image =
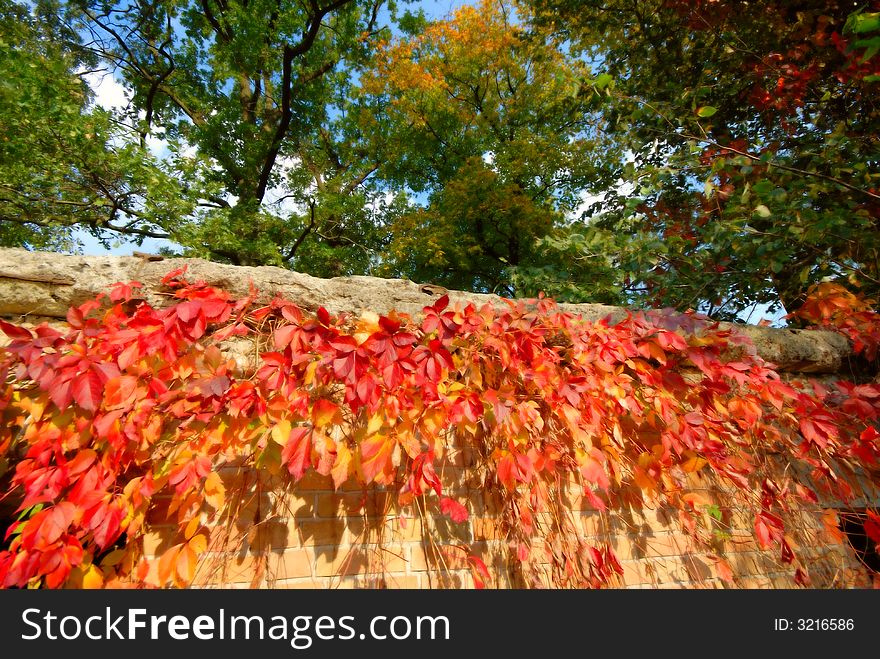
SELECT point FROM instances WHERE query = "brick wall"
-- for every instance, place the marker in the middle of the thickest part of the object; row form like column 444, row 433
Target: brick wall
column 310, row 536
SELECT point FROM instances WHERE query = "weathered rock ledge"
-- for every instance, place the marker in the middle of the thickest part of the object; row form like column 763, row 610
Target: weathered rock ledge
column 42, row 285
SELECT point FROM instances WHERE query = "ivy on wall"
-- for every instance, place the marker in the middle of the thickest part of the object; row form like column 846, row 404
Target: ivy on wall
column 131, row 404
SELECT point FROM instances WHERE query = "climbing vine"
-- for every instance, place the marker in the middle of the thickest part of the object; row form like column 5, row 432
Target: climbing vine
column 132, row 405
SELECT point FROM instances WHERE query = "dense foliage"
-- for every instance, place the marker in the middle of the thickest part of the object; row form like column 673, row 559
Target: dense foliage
column 714, row 155
column 131, row 405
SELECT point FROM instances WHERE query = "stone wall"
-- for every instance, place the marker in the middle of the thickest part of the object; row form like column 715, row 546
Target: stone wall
column 311, row 536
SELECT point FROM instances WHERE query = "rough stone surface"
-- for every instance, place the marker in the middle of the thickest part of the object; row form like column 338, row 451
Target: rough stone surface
column 43, row 285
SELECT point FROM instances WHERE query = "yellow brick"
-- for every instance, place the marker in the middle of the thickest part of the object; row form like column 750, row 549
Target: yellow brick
column 403, row 581
column 328, row 532
column 354, row 504
column 487, row 528
column 312, row 480
column 667, row 544
column 306, row 583
column 298, row 505
column 358, row 560
column 224, row 570
column 292, row 564
column 634, row 573
column 409, row 531
column 272, row 535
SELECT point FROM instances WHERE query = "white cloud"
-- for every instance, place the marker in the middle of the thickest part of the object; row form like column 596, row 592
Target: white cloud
column 276, row 196
column 110, row 94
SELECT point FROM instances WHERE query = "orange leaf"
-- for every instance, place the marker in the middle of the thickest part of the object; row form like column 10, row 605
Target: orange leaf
column 215, row 493
column 695, row 499
column 831, row 522
column 167, row 563
column 325, row 412
column 297, row 452
column 342, row 466
column 187, row 560
column 693, row 463
column 376, row 456
column 725, row 573
column 198, row 543
column 191, row 528
column 92, row 578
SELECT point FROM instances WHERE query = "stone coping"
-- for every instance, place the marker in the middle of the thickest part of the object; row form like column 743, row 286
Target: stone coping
column 43, row 285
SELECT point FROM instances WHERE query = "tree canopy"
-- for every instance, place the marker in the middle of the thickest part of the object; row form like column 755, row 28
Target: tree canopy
column 713, row 154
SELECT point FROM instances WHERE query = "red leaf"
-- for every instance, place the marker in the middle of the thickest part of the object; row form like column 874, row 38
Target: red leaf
column 106, row 527
column 88, row 390
column 81, row 462
column 186, row 311
column 56, row 522
column 724, row 570
column 762, row 532
column 14, row 331
column 375, row 456
column 284, row 335
column 593, row 471
column 454, row 509
column 478, row 570
column 120, row 291
column 297, row 451
column 344, row 344
column 168, row 280
column 60, row 394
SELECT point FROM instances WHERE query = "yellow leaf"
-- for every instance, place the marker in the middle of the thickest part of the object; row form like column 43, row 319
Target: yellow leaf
column 191, row 528
column 198, row 543
column 92, row 578
column 309, row 376
column 186, row 565
column 167, row 562
column 215, row 493
column 368, row 323
column 342, row 466
column 693, row 462
column 113, row 558
column 281, row 432
column 375, row 424
column 432, row 421
column 325, row 412
column 644, row 481
column 410, row 444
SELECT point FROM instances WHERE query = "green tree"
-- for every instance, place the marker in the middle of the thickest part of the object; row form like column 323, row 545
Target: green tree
column 63, row 163
column 257, row 88
column 486, row 123
column 251, row 101
column 746, row 144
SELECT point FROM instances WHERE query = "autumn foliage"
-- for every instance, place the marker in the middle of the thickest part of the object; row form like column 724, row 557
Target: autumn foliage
column 131, row 403
column 832, row 306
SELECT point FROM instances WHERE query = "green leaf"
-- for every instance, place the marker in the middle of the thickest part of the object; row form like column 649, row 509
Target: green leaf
column 706, row 111
column 603, row 81
column 861, row 23
column 762, row 210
